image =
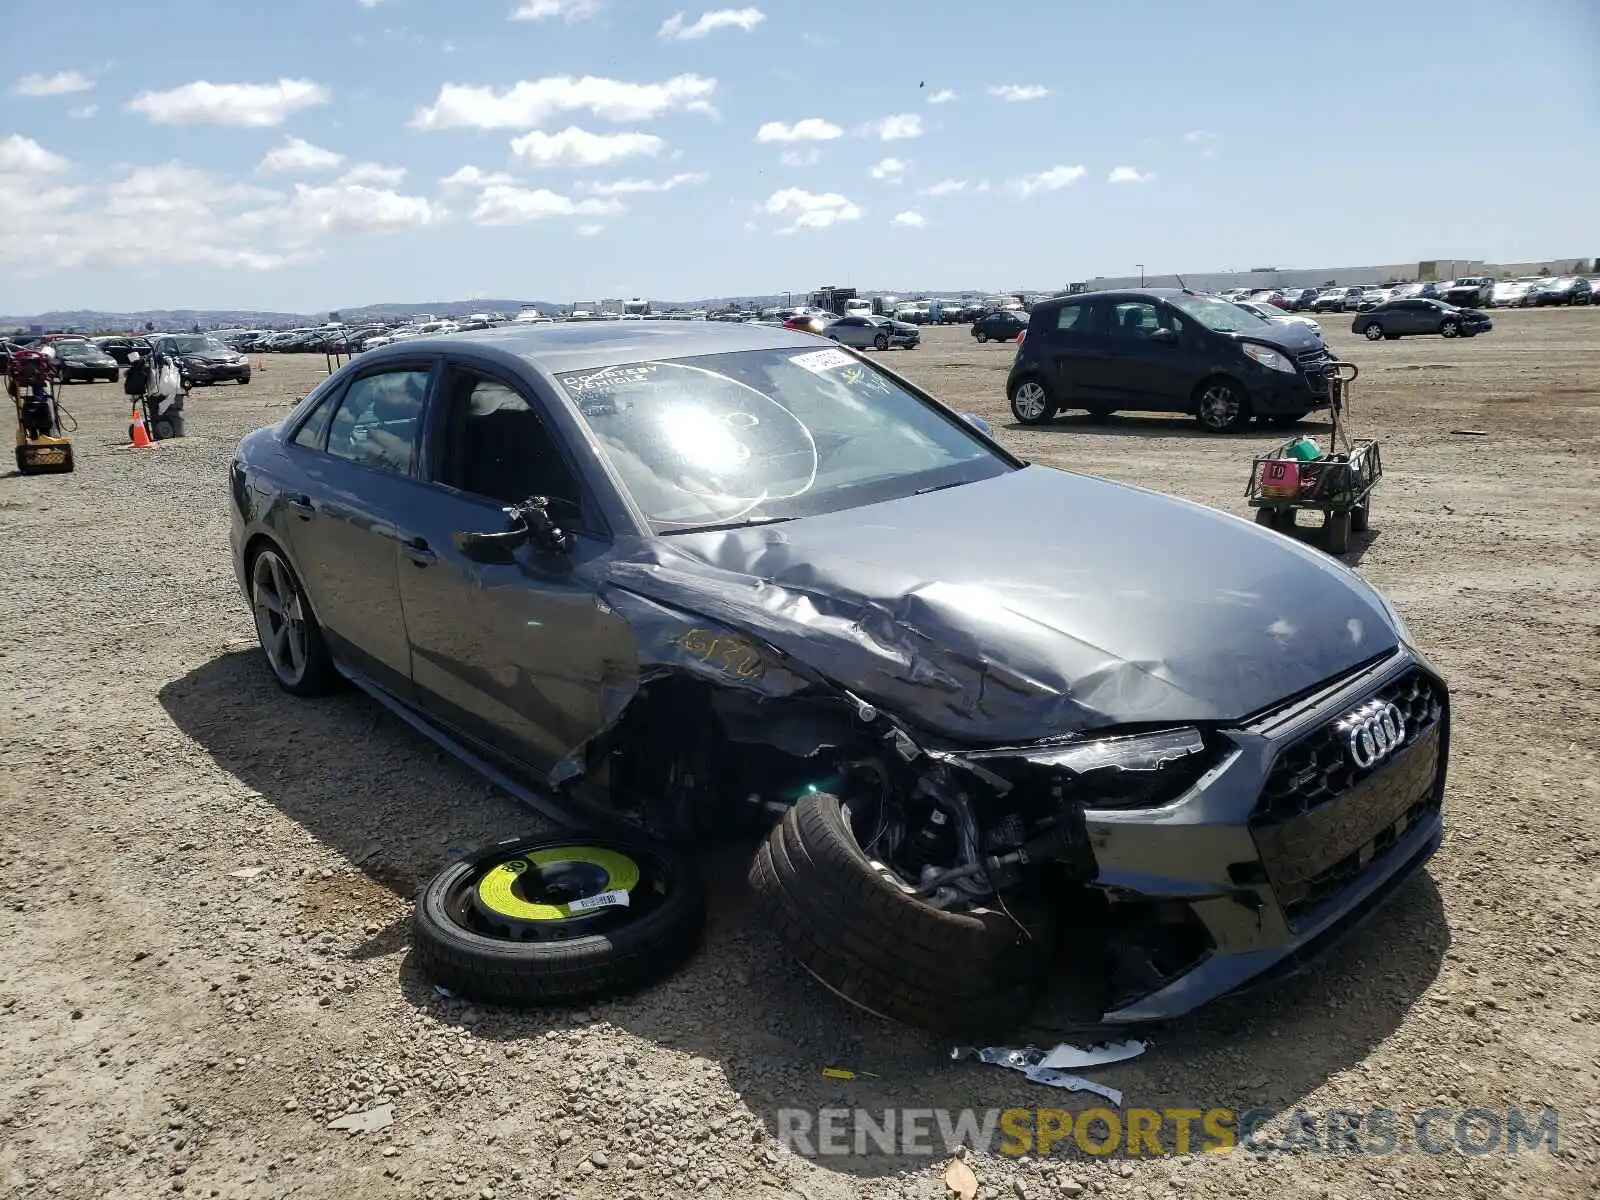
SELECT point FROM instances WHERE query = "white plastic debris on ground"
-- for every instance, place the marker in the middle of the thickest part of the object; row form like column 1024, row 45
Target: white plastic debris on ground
column 1053, row 1067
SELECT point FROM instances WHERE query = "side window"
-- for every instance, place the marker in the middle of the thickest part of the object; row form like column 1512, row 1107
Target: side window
column 1073, row 318
column 376, row 422
column 313, row 430
column 501, row 448
column 1134, row 319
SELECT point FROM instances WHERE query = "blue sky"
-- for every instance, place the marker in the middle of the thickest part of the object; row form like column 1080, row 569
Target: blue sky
column 310, row 154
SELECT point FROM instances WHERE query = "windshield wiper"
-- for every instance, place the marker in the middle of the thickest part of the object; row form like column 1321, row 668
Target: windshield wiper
column 718, row 526
column 939, row 487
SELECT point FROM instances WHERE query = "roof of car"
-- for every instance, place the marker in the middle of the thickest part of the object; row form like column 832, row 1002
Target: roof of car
column 581, row 344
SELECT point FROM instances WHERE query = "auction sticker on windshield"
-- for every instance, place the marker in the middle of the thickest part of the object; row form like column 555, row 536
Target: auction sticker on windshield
column 822, row 360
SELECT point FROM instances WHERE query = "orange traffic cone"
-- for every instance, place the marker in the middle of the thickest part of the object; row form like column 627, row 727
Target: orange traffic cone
column 137, row 433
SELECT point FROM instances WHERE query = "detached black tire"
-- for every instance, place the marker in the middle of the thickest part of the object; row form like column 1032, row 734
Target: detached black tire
column 959, row 974
column 527, row 935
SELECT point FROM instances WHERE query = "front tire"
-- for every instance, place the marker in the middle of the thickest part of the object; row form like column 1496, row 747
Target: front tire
column 1449, row 329
column 559, row 919
column 881, row 342
column 287, row 628
column 982, row 338
column 1222, row 407
column 866, row 939
column 1373, row 332
column 1031, row 403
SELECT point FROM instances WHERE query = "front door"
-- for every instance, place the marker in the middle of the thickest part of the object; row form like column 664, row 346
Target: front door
column 357, row 474
column 1148, row 355
column 518, row 656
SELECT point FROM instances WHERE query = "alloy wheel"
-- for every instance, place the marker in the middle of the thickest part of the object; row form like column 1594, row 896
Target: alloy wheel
column 1030, row 401
column 280, row 616
column 1219, row 407
column 1374, row 332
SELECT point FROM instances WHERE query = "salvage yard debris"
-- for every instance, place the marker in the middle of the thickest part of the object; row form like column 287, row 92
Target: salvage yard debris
column 1052, row 1067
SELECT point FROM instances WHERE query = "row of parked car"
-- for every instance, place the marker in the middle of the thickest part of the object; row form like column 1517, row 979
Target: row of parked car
column 1471, row 291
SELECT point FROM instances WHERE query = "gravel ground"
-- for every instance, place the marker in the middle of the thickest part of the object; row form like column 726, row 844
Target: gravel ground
column 204, row 884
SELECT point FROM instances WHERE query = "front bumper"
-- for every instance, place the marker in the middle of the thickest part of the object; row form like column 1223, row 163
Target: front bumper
column 1277, row 851
column 216, row 372
column 1278, row 392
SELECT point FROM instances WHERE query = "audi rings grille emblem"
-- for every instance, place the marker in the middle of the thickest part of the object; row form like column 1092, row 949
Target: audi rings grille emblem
column 1372, row 733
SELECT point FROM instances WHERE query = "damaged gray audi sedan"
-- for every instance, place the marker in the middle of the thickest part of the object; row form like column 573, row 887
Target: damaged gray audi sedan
column 998, row 717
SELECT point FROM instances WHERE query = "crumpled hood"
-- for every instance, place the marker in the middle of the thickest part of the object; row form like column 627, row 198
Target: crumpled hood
column 1030, row 605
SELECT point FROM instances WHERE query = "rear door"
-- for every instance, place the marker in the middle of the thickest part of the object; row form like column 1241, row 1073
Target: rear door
column 1076, row 353
column 518, row 656
column 355, row 461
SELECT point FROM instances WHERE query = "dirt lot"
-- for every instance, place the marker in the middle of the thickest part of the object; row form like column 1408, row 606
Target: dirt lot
column 204, row 884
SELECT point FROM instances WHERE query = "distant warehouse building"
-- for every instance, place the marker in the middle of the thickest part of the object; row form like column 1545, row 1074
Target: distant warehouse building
column 1426, row 270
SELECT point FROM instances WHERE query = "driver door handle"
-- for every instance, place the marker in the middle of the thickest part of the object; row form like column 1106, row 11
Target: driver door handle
column 300, row 506
column 416, row 549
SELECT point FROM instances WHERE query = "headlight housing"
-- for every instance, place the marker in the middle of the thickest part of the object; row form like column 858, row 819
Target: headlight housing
column 1267, row 357
column 1142, row 770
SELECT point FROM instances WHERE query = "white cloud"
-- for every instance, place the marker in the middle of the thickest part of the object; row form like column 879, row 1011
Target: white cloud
column 1129, row 175
column 1052, row 180
column 626, row 187
column 812, row 129
column 808, row 157
column 296, row 157
column 354, row 207
column 723, row 18
column 171, row 214
column 983, row 186
column 472, row 177
column 942, row 96
column 23, row 156
column 574, row 147
column 83, row 112
column 373, row 174
column 1013, row 93
column 528, row 104
column 62, row 83
column 245, row 105
column 369, row 3
column 567, row 10
column 946, row 187
column 1198, row 137
column 589, row 229
column 810, row 210
column 895, row 128
column 502, row 204
column 890, row 170
column 910, row 219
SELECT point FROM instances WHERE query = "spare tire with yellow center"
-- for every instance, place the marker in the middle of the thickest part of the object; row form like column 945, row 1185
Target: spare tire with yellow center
column 558, row 920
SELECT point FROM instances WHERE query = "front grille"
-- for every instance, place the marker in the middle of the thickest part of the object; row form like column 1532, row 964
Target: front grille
column 1317, row 768
column 1329, row 882
column 1321, row 821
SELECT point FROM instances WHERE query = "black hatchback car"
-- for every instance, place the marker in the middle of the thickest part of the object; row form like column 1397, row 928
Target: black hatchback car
column 1399, row 318
column 688, row 571
column 1166, row 350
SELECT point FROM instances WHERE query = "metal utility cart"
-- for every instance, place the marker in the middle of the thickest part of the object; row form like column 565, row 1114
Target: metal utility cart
column 1339, row 483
